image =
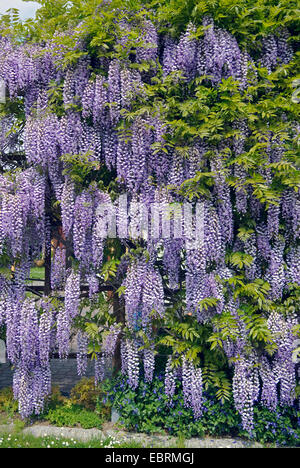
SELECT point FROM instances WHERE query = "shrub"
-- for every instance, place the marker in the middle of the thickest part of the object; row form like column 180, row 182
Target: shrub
column 85, row 394
column 54, row 399
column 74, row 415
column 281, row 427
column 90, row 397
column 147, row 409
column 7, row 401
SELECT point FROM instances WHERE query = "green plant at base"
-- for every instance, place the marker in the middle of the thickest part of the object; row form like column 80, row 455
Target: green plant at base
column 85, row 394
column 148, row 410
column 74, row 415
column 28, row 441
column 7, row 402
column 55, row 399
column 90, row 397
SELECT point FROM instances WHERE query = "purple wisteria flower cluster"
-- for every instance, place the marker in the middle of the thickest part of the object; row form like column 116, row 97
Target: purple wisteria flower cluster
column 29, row 344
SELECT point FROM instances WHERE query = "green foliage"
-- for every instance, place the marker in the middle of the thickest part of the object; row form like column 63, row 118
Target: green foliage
column 16, row 440
column 54, row 399
column 83, row 408
column 79, row 166
column 7, row 402
column 89, row 174
column 248, row 20
column 37, row 273
column 240, row 260
column 199, row 185
column 96, row 318
column 182, row 335
column 148, row 410
column 72, row 416
column 85, row 394
column 110, row 268
column 280, row 427
column 19, row 425
column 216, row 380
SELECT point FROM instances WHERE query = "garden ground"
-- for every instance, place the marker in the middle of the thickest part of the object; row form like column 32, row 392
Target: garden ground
column 41, row 436
column 83, row 420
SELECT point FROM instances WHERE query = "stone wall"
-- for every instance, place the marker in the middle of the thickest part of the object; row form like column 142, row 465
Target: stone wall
column 64, row 374
column 5, row 376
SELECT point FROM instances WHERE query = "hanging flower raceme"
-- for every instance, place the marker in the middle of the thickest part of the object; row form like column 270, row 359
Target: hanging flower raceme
column 25, row 66
column 284, row 367
column 269, row 384
column 29, row 344
column 133, row 365
column 144, row 294
column 72, row 293
column 186, row 53
column 110, row 340
column 133, row 296
column 67, row 206
column 131, row 87
column 275, row 274
column 246, row 389
column 86, row 220
column 82, row 361
column 114, row 91
column 31, row 389
column 58, row 268
column 276, row 50
column 103, row 217
column 75, row 83
column 152, row 295
column 219, row 55
column 172, row 260
column 192, row 387
column 2, row 310
column 22, row 205
column 41, row 139
column 148, row 51
column 293, row 262
column 100, row 367
column 83, row 218
column 68, row 312
column 12, row 322
column 63, row 333
column 149, row 364
column 46, row 332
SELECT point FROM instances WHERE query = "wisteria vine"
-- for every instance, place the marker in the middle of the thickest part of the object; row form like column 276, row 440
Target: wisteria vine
column 91, row 124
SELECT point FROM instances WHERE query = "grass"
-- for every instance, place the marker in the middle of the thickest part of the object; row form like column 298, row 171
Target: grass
column 37, row 273
column 5, row 418
column 16, row 440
